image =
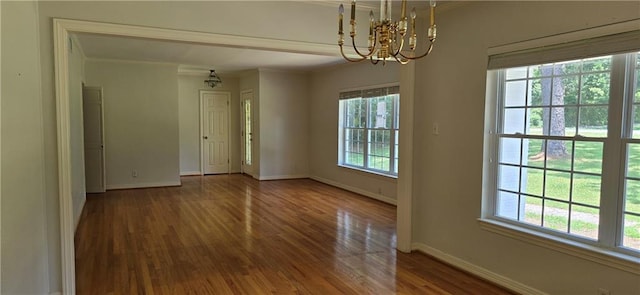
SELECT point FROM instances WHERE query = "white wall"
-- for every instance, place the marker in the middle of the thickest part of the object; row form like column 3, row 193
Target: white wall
column 23, row 237
column 450, row 90
column 283, row 121
column 189, row 87
column 140, row 122
column 76, row 78
column 323, row 126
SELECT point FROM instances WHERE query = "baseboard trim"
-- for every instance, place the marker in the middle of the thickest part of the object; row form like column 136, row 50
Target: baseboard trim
column 281, row 177
column 477, row 270
column 190, row 173
column 77, row 221
column 143, row 185
column 356, row 190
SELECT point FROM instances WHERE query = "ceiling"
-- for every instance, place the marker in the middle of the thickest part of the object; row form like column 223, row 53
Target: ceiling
column 201, row 57
column 222, row 59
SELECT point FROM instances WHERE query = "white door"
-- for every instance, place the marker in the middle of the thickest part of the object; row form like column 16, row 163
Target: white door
column 247, row 131
column 215, row 131
column 93, row 116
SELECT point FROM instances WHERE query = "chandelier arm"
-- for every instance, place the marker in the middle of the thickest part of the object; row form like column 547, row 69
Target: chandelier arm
column 373, row 50
column 421, row 56
column 350, row 59
column 374, row 61
column 401, row 60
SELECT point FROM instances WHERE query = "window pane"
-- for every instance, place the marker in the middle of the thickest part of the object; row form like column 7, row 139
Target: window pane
column 586, row 189
column 559, row 125
column 570, row 89
column 379, row 147
column 515, row 93
column 632, row 214
column 510, row 150
column 570, row 119
column 532, row 181
column 536, row 71
column 536, row 92
column 588, row 157
column 593, row 121
column 595, row 88
column 595, row 64
column 534, row 124
column 397, row 111
column 513, row 121
column 637, row 92
column 556, row 215
column 507, row 205
column 380, row 109
column 632, row 196
column 631, row 237
column 571, row 67
column 509, row 178
column 558, row 153
column 584, row 221
column 636, row 119
column 533, row 211
column 633, row 160
column 355, row 116
column 534, row 156
column 516, row 73
column 557, row 185
column 397, row 151
column 354, row 147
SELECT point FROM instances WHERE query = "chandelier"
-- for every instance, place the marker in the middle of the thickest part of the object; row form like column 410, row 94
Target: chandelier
column 213, row 80
column 386, row 37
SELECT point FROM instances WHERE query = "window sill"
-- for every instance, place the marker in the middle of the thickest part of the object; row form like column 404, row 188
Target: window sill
column 368, row 171
column 610, row 258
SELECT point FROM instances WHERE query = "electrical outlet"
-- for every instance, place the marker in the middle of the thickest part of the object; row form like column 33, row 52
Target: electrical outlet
column 602, row 291
column 134, row 173
column 435, row 130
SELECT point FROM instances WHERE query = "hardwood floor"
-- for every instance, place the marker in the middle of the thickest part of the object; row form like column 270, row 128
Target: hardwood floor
column 231, row 234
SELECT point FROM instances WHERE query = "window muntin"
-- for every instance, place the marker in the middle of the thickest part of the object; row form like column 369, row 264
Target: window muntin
column 553, row 125
column 369, row 130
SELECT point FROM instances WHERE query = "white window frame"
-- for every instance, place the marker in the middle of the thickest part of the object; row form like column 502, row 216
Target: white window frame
column 606, row 250
column 361, row 93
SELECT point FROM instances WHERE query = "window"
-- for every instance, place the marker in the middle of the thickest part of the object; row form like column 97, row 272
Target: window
column 368, row 130
column 567, row 146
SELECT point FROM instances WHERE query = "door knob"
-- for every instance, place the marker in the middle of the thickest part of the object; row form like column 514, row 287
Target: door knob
column 205, row 137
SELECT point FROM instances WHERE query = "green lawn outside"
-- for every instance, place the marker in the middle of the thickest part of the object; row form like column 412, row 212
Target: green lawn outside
column 586, row 188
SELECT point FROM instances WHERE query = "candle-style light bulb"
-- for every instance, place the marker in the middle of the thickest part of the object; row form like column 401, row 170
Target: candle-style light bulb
column 371, row 23
column 353, row 10
column 403, row 11
column 340, row 16
column 431, row 32
column 432, row 7
column 385, row 10
column 371, row 27
column 412, row 38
